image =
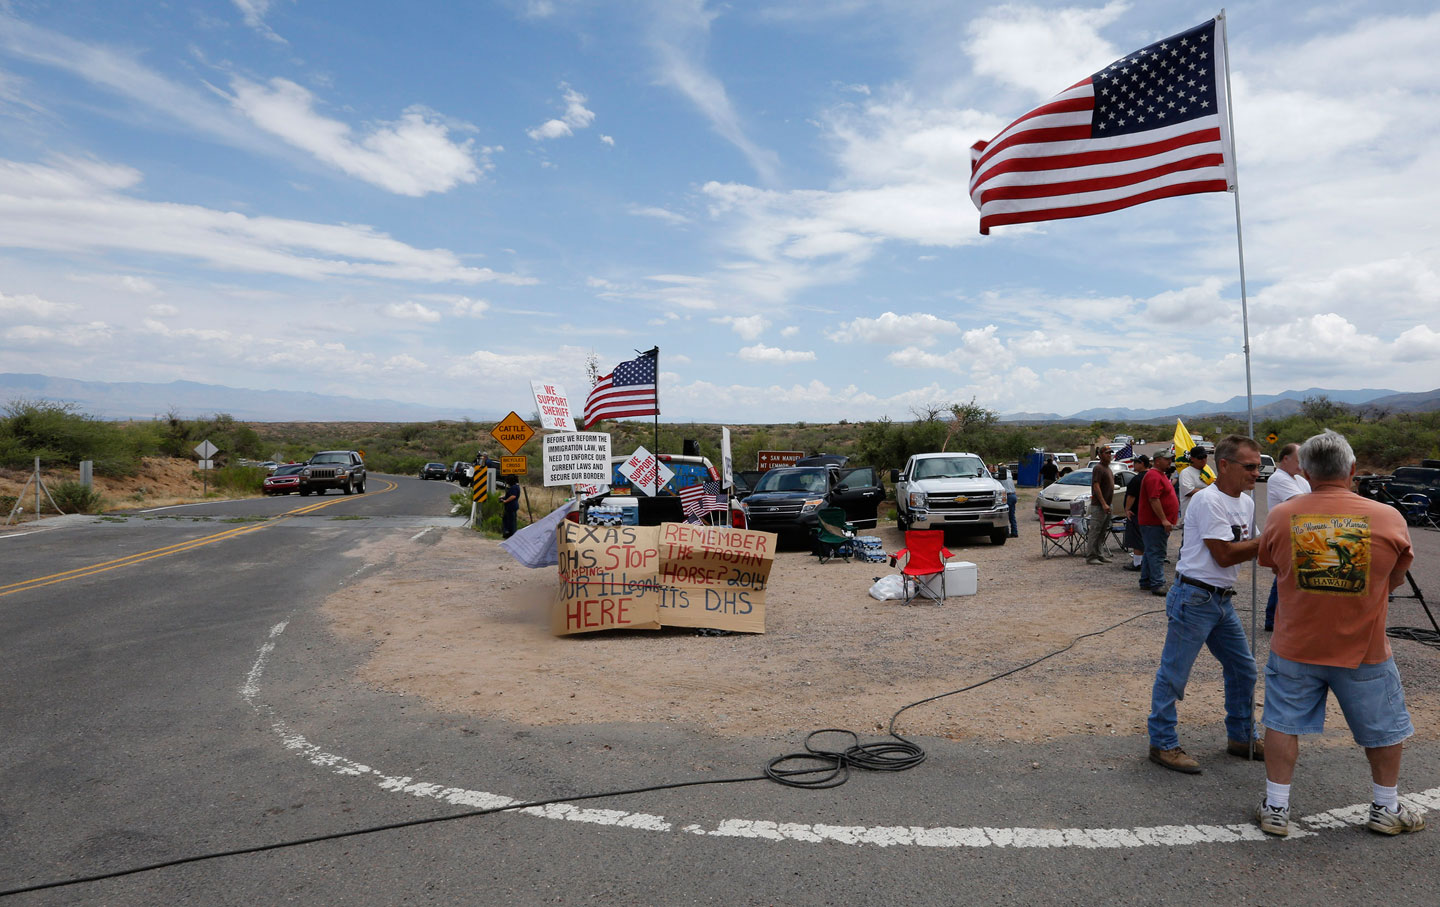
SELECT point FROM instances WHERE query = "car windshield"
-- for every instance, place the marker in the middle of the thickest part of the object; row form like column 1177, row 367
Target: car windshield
column 287, row 470
column 809, row 480
column 434, row 465
column 337, row 458
column 1078, row 477
column 949, row 468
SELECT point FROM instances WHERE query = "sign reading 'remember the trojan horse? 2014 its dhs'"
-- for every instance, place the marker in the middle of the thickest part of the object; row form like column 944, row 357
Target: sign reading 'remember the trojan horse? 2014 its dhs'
column 671, row 575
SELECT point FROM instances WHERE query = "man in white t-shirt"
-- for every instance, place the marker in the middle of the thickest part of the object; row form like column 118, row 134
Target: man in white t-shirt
column 1219, row 536
column 1286, row 483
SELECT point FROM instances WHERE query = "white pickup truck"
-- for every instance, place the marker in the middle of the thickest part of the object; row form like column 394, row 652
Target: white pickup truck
column 950, row 491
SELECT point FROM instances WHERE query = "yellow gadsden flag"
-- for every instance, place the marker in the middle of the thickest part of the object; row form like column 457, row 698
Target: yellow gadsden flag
column 1183, row 443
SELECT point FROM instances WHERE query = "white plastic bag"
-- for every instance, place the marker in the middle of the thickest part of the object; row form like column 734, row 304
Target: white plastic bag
column 888, row 588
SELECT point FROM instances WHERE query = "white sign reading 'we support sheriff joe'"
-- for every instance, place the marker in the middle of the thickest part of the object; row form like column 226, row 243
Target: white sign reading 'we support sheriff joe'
column 553, row 406
column 645, row 471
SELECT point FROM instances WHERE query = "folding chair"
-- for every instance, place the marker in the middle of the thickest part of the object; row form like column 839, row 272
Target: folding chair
column 1063, row 536
column 1416, row 509
column 833, row 535
column 925, row 555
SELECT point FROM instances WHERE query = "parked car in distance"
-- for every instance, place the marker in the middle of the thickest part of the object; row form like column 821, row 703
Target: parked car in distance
column 1054, row 500
column 460, row 471
column 1406, row 480
column 284, row 480
column 342, row 469
column 433, row 471
column 1267, row 467
column 788, row 500
column 951, row 491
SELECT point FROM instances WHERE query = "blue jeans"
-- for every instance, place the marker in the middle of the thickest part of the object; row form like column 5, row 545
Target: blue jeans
column 1152, row 562
column 1195, row 617
column 1010, row 497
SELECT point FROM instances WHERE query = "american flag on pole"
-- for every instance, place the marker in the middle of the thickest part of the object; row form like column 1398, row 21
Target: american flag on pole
column 1126, row 453
column 627, row 391
column 1151, row 125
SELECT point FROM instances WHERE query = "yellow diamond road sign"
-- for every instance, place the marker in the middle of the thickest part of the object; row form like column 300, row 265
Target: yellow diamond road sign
column 1272, row 437
column 512, row 432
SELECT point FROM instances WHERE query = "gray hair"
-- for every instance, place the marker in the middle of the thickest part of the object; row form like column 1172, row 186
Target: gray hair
column 1327, row 456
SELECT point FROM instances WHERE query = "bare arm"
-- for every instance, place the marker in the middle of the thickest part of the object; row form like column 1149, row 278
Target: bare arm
column 1228, row 554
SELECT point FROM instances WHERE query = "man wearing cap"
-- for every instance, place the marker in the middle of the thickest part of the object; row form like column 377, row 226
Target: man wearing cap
column 1199, row 612
column 1192, row 479
column 1159, row 511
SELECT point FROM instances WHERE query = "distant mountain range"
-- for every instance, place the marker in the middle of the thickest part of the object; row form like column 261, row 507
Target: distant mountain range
column 138, row 400
column 1279, row 405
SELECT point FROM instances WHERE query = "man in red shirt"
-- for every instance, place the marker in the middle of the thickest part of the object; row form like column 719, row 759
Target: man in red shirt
column 1336, row 556
column 1159, row 511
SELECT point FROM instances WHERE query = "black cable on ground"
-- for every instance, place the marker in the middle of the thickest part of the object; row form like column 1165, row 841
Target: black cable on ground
column 832, row 767
column 1415, row 634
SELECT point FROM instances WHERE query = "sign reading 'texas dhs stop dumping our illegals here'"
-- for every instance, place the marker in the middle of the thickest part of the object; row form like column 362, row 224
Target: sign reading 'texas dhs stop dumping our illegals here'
column 671, row 575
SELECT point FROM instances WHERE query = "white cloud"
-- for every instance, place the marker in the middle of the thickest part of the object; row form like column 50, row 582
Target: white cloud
column 749, row 327
column 410, row 311
column 128, row 283
column 762, row 353
column 404, row 363
column 30, row 306
column 608, row 140
column 73, row 207
column 89, row 334
column 1042, row 50
column 162, row 310
column 1418, row 344
column 576, row 116
column 890, row 328
column 254, row 12
column 664, row 214
column 413, row 155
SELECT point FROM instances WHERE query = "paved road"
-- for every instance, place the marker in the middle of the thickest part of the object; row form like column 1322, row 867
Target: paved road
column 167, row 689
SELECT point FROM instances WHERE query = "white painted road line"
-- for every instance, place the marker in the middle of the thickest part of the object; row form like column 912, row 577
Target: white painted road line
column 815, row 833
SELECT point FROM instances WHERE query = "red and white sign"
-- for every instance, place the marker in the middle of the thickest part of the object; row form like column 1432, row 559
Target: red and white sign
column 646, row 472
column 553, row 407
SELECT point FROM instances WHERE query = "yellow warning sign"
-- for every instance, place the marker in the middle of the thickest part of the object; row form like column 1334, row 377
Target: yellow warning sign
column 513, row 466
column 512, row 432
column 480, row 485
column 1272, row 437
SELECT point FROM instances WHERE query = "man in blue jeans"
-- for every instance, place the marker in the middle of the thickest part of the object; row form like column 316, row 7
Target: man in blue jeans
column 1219, row 536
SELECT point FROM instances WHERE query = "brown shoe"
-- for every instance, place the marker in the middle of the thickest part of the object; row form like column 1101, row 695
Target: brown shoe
column 1242, row 749
column 1176, row 760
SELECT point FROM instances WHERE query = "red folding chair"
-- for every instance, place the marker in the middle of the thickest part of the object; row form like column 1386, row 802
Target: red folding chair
column 925, row 555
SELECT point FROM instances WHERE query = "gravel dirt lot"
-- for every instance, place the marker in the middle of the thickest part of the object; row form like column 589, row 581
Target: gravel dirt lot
column 465, row 628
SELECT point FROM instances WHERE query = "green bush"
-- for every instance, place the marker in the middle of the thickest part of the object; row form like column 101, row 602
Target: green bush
column 74, row 497
column 238, row 479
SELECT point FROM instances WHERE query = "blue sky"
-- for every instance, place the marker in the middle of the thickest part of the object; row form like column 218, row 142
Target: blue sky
column 441, row 202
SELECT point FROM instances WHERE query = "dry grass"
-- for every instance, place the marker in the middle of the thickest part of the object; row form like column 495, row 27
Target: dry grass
column 160, row 482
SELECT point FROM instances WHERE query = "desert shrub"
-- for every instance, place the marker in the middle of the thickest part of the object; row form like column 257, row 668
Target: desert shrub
column 59, row 435
column 74, row 497
column 238, row 479
column 7, row 504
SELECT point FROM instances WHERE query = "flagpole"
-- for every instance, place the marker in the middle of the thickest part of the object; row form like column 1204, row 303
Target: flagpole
column 655, row 483
column 1245, row 328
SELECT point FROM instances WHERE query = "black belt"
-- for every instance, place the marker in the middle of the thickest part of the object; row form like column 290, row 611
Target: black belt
column 1206, row 586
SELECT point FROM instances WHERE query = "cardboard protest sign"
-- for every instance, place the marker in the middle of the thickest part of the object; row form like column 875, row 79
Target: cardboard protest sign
column 713, row 576
column 553, row 406
column 575, row 457
column 675, row 574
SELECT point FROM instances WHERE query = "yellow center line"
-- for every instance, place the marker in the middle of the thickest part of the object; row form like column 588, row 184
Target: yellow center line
column 176, row 548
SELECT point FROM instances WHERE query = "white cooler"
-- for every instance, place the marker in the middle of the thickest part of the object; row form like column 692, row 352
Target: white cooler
column 961, row 578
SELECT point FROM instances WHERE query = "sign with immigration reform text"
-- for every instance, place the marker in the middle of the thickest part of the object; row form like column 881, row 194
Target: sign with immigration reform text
column 576, row 457
column 674, row 574
column 553, row 406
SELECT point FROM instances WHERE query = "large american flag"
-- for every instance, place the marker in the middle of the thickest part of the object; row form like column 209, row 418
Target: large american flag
column 702, row 498
column 627, row 391
column 1150, row 125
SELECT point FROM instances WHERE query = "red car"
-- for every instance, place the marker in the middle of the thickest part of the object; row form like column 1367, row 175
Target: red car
column 284, row 480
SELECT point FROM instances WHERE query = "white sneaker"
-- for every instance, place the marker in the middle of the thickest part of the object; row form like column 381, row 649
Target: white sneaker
column 1393, row 823
column 1274, row 820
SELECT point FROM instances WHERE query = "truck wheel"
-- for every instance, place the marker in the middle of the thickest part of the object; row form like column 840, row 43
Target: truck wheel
column 998, row 536
column 900, row 522
column 304, row 492
column 348, row 488
column 360, row 488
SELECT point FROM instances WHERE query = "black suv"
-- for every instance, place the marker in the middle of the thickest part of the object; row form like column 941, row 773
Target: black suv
column 788, row 500
column 342, row 469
